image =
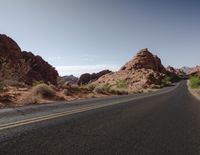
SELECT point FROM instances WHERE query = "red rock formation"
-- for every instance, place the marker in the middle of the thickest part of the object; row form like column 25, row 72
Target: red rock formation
column 195, row 71
column 145, row 60
column 86, row 78
column 143, row 71
column 175, row 72
column 171, row 69
column 23, row 66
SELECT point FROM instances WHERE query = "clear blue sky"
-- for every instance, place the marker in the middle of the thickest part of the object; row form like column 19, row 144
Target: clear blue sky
column 80, row 36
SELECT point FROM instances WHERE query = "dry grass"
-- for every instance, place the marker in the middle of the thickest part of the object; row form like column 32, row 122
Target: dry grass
column 39, row 94
column 118, row 91
column 102, row 89
column 194, row 91
column 43, row 91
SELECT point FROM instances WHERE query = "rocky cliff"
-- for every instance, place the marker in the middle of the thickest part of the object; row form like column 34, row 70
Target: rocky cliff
column 17, row 65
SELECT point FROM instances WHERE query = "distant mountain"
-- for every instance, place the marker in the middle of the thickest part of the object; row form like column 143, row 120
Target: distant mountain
column 86, row 78
column 186, row 69
column 17, row 65
column 70, row 78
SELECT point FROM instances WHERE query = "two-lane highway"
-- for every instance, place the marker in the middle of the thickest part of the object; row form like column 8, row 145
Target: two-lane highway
column 166, row 122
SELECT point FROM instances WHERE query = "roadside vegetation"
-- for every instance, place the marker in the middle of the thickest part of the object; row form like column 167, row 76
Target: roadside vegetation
column 169, row 80
column 194, row 85
column 35, row 83
column 39, row 93
column 119, row 88
column 121, row 84
column 166, row 81
column 194, row 81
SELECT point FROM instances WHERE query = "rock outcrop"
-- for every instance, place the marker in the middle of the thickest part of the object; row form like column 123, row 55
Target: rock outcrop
column 17, row 65
column 145, row 70
column 175, row 72
column 86, row 78
column 195, row 71
column 145, row 60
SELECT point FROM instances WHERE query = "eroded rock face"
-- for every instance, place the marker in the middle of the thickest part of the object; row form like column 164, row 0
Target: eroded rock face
column 145, row 60
column 23, row 66
column 145, row 70
column 195, row 71
column 86, row 78
column 175, row 71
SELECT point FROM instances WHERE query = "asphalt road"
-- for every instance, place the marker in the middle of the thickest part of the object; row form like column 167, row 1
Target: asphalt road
column 162, row 123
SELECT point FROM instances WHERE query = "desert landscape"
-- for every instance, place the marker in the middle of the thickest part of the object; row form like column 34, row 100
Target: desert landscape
column 28, row 79
column 99, row 77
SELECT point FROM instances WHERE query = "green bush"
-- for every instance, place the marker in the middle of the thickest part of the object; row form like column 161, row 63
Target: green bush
column 90, row 86
column 194, row 81
column 35, row 83
column 121, row 84
column 167, row 80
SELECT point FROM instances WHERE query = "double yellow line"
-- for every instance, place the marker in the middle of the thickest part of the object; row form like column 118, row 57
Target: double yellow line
column 66, row 113
column 47, row 117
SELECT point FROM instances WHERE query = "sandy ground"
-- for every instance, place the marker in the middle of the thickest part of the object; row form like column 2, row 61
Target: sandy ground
column 11, row 97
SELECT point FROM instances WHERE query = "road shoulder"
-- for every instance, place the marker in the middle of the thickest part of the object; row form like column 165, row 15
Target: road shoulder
column 194, row 92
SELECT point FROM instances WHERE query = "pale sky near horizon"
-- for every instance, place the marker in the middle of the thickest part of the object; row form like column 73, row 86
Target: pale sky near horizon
column 78, row 36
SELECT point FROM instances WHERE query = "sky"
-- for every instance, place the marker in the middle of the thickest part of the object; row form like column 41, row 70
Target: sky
column 78, row 36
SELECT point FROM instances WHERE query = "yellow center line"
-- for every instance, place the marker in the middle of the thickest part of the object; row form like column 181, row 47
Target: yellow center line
column 46, row 117
column 66, row 113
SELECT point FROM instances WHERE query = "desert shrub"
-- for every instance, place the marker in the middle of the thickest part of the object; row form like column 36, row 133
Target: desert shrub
column 35, row 83
column 75, row 87
column 118, row 91
column 167, row 80
column 102, row 89
column 121, row 84
column 43, row 91
column 154, row 86
column 90, row 86
column 67, row 92
column 98, row 89
column 194, row 81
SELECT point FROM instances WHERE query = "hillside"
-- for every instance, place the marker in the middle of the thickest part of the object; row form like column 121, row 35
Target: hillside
column 144, row 70
column 22, row 66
